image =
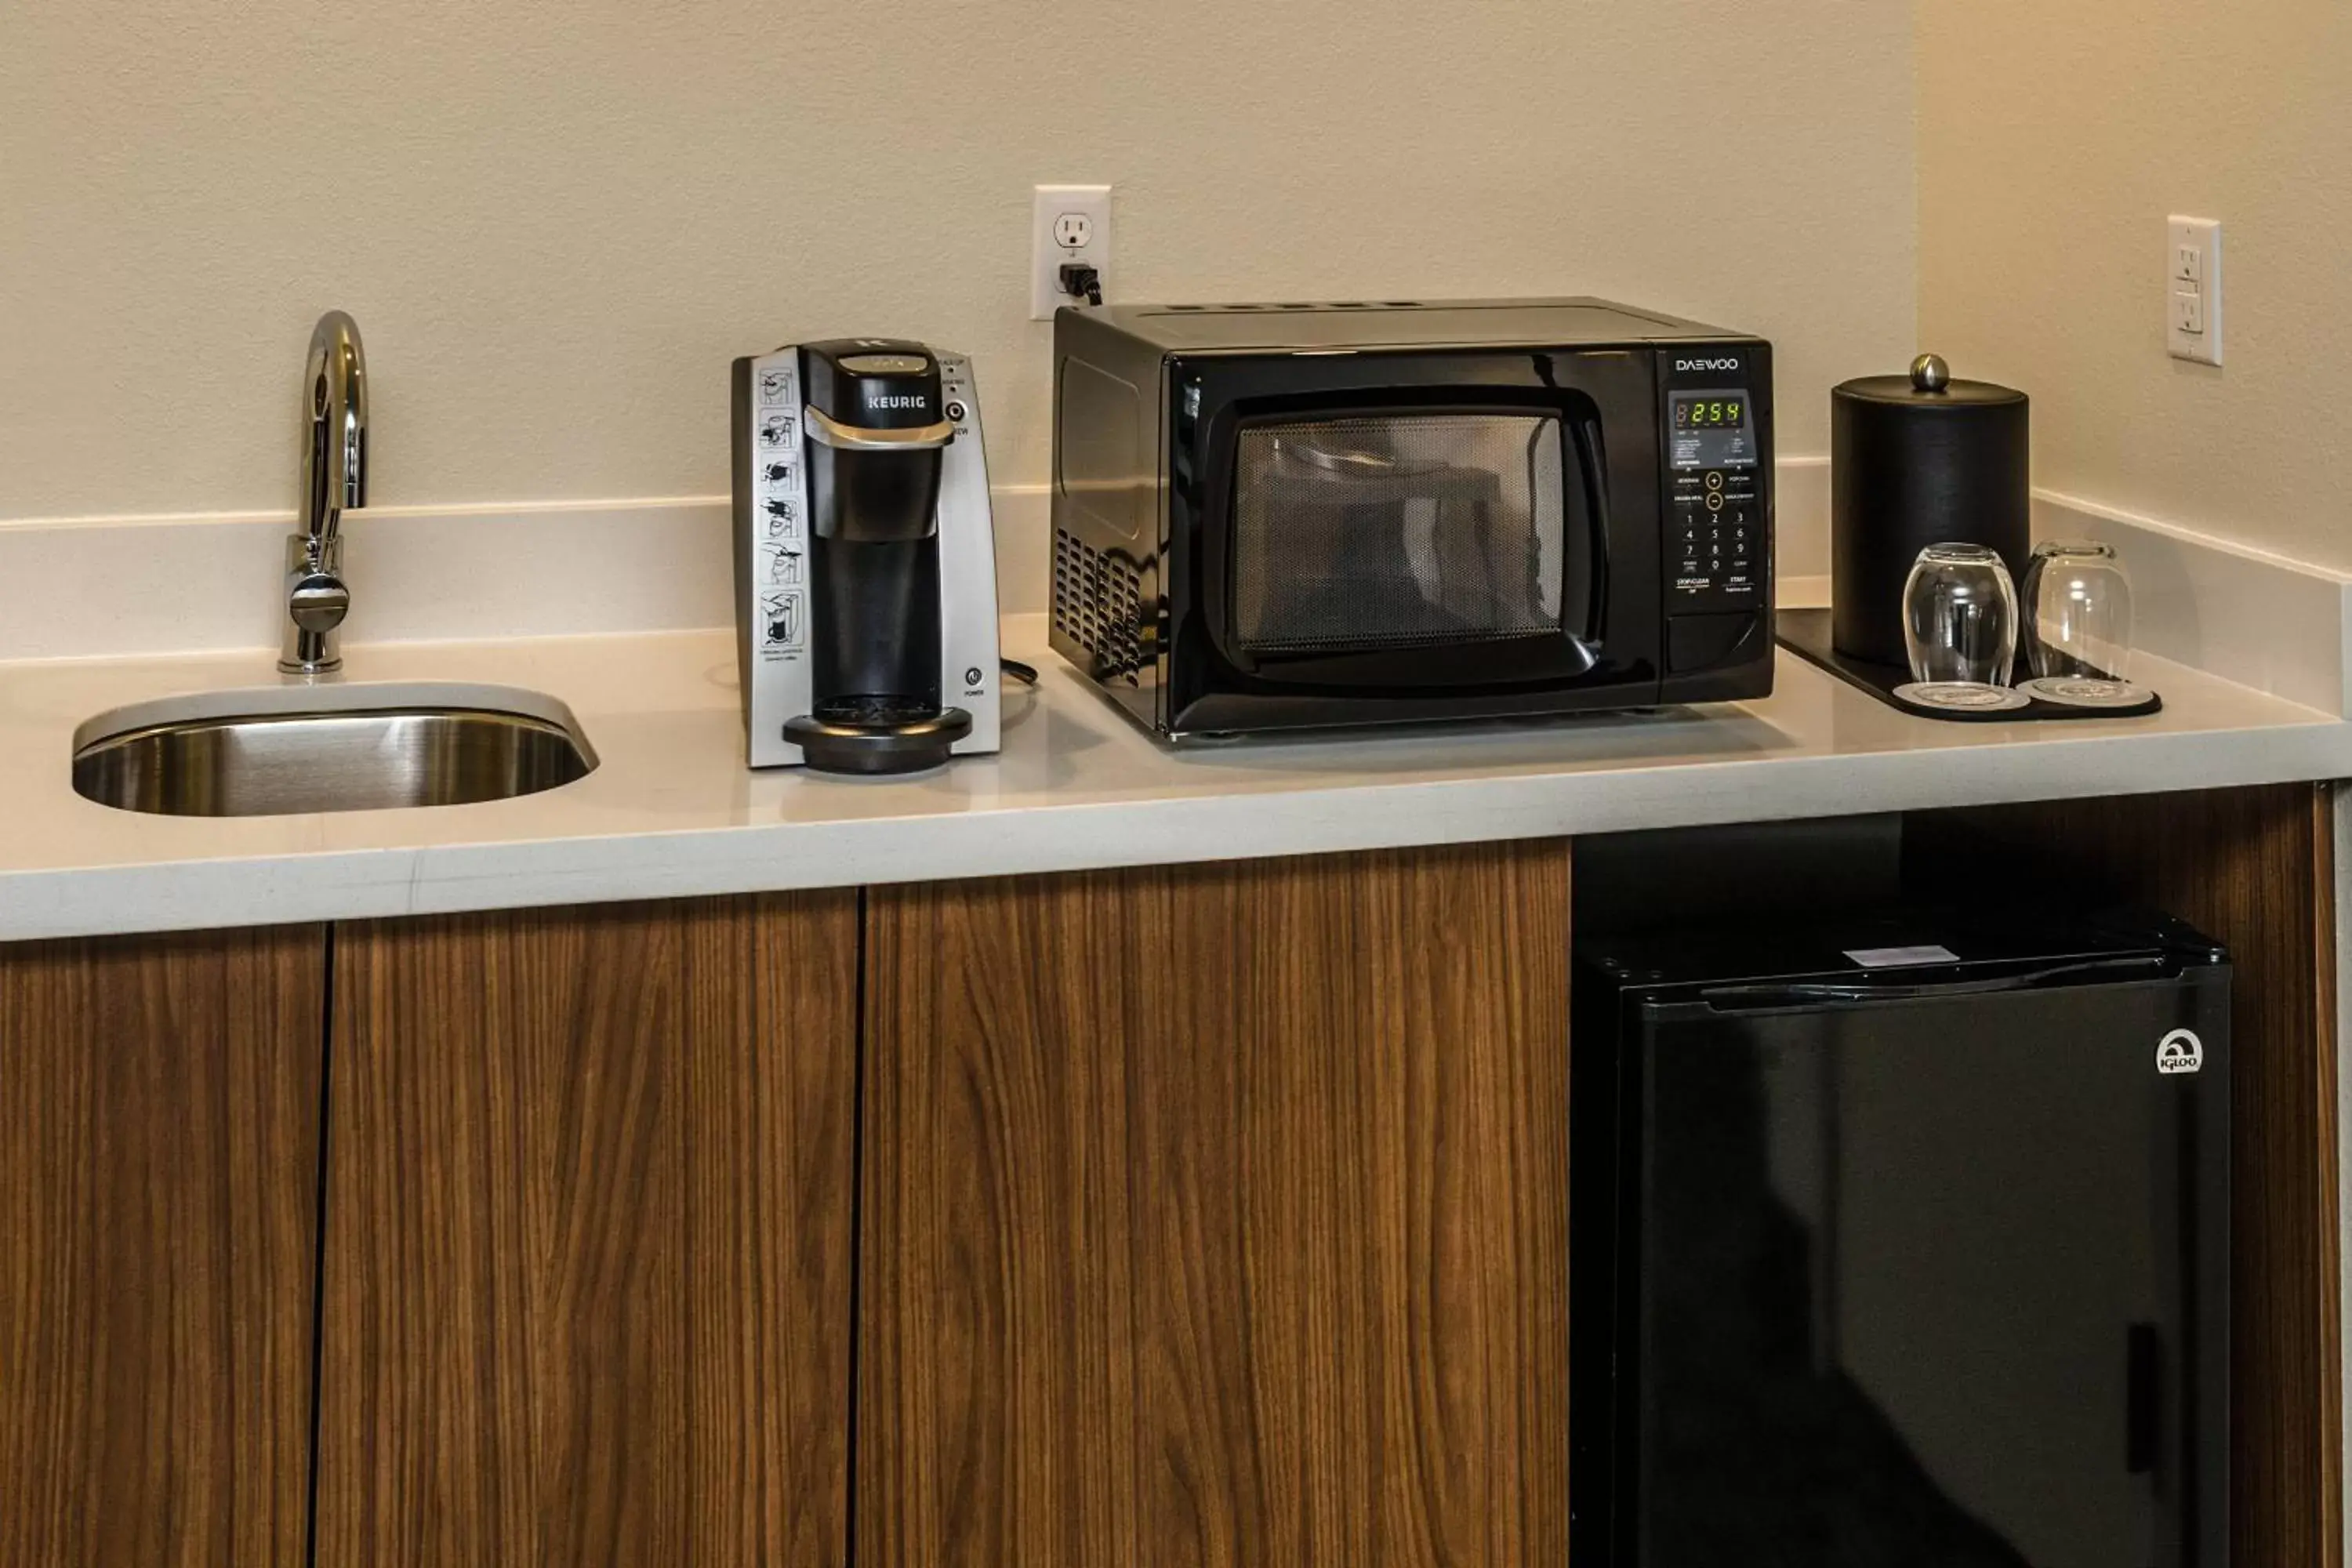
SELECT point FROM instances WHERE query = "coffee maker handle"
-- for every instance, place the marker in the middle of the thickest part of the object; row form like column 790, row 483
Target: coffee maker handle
column 824, row 429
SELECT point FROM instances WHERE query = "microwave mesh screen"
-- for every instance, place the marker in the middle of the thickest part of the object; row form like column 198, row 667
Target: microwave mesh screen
column 1399, row 531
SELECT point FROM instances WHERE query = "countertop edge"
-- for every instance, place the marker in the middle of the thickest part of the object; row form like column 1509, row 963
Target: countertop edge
column 395, row 881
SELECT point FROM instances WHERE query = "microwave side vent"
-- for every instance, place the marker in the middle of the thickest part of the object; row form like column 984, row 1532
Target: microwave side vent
column 1098, row 604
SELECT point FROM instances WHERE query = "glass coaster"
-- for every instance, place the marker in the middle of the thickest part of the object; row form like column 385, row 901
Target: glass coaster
column 1961, row 696
column 2086, row 691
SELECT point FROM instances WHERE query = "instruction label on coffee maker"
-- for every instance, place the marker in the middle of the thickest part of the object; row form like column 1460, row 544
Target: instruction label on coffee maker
column 780, row 512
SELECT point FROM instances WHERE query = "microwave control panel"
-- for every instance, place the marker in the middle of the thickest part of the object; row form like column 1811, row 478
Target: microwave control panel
column 1716, row 545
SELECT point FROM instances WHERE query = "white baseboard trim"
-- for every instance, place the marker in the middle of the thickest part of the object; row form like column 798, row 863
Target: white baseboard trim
column 201, row 583
column 108, row 586
column 2260, row 619
column 1800, row 521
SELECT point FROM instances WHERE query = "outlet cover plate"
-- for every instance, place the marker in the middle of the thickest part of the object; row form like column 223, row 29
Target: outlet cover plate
column 2192, row 281
column 1067, row 223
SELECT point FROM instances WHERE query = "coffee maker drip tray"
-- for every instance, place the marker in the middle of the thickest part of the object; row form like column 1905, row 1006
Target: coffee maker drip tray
column 877, row 734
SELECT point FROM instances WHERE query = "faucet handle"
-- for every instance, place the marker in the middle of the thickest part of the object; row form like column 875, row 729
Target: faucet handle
column 317, row 601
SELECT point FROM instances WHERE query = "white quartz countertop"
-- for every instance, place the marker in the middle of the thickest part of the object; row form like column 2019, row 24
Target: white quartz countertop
column 672, row 811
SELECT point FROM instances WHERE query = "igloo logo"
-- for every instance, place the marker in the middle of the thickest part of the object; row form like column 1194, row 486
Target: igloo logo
column 2179, row 1052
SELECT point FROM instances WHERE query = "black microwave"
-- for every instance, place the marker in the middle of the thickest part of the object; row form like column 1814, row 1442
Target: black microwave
column 1276, row 517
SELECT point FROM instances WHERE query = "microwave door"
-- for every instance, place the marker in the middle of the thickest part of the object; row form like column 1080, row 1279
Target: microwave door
column 1424, row 547
column 1377, row 545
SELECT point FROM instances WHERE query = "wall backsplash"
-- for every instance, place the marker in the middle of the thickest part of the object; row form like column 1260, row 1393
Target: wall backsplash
column 2054, row 142
column 557, row 223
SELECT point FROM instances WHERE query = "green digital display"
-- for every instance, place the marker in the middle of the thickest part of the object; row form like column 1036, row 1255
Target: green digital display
column 1710, row 413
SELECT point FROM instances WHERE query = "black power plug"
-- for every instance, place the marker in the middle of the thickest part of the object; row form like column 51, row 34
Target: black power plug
column 1081, row 281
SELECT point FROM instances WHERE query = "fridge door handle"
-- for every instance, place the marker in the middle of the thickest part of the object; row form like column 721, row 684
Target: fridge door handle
column 2143, row 1405
column 1806, row 994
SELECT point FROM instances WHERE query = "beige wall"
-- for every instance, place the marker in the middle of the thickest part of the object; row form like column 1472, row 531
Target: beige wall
column 557, row 223
column 2054, row 139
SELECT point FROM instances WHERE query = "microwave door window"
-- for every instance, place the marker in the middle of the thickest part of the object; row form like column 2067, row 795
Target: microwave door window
column 1397, row 531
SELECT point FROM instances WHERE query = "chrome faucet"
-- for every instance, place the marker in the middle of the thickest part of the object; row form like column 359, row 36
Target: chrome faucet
column 334, row 476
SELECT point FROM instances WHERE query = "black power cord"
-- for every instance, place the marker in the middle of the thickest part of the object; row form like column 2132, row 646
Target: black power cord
column 1081, row 281
column 1026, row 674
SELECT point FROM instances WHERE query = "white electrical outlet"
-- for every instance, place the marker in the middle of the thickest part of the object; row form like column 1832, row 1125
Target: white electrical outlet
column 1069, row 226
column 2192, row 284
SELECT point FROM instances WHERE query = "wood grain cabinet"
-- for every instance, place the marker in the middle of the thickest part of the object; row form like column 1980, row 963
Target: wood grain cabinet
column 1206, row 1217
column 159, row 1120
column 1218, row 1215
column 586, row 1287
column 2255, row 870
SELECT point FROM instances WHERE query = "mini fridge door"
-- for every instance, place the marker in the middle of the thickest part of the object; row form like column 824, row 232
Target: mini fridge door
column 1932, row 1276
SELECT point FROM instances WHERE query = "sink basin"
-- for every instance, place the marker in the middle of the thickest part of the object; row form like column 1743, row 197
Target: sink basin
column 329, row 748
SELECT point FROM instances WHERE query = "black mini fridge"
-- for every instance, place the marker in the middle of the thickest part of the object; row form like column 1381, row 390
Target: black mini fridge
column 1901, row 1240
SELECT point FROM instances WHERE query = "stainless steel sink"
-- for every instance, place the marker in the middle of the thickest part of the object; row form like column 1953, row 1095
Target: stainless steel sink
column 347, row 748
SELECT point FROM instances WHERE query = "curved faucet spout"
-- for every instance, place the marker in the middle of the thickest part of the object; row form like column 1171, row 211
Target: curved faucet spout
column 333, row 477
column 335, row 407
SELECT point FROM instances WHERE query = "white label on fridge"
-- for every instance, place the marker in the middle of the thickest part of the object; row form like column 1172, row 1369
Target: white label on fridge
column 1901, row 957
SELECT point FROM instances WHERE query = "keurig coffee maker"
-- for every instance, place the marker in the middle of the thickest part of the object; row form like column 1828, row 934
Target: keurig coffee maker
column 865, row 558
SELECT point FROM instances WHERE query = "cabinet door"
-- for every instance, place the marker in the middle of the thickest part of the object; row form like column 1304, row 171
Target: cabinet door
column 2255, row 870
column 587, row 1239
column 1218, row 1215
column 159, row 1113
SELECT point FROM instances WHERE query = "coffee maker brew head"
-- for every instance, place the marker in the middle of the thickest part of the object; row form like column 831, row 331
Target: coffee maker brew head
column 876, row 430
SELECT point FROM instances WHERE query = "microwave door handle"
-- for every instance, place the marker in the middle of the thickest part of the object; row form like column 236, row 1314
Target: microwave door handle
column 1596, row 494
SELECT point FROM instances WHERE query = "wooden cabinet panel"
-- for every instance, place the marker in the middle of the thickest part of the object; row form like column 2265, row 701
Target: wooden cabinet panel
column 1218, row 1215
column 159, row 1108
column 2254, row 869
column 587, row 1284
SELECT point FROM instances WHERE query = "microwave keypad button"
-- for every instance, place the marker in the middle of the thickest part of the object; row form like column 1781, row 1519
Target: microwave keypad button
column 1715, row 508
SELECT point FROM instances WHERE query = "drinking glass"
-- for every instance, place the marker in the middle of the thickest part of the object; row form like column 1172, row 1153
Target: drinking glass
column 2078, row 611
column 1959, row 616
